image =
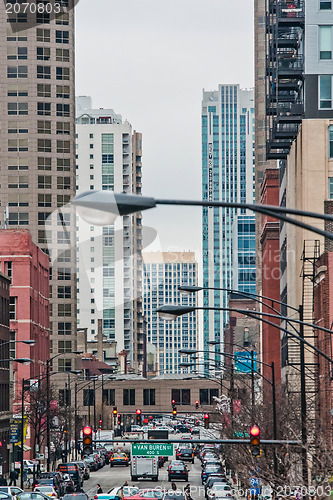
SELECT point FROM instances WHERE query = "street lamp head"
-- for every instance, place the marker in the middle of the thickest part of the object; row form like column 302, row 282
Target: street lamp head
column 77, row 352
column 189, row 289
column 101, row 208
column 171, row 312
column 75, row 372
column 23, row 361
column 186, row 365
column 188, row 352
column 29, row 342
column 213, row 342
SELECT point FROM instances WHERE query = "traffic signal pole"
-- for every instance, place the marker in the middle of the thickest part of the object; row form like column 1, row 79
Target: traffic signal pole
column 303, row 402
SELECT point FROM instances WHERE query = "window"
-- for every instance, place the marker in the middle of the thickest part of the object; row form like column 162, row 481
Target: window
column 18, row 200
column 64, row 292
column 9, row 268
column 44, row 145
column 17, row 53
column 44, row 236
column 64, row 365
column 62, row 73
column 44, row 182
column 88, row 397
column 44, row 72
column 64, row 328
column 63, row 92
column 43, row 35
column 17, row 145
column 43, row 218
column 43, row 54
column 63, row 237
column 62, row 199
column 63, row 110
column 64, row 273
column 206, row 396
column 330, row 188
column 17, row 90
column 64, row 346
column 62, row 36
column 18, row 127
column 64, row 398
column 325, row 92
column 128, row 397
column 181, row 396
column 62, row 55
column 17, row 72
column 108, row 396
column 20, row 17
column 18, row 163
column 325, row 4
column 44, row 200
column 148, row 397
column 17, row 108
column 12, row 307
column 64, row 310
column 18, row 219
column 330, row 141
column 44, row 163
column 325, row 42
column 62, row 18
column 18, row 181
column 43, row 127
column 63, row 182
column 15, row 37
column 42, row 17
column 44, row 108
column 63, row 128
column 63, row 147
column 43, row 90
column 63, row 164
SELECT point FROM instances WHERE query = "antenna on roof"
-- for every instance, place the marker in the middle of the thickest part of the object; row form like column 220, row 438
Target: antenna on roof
column 5, row 217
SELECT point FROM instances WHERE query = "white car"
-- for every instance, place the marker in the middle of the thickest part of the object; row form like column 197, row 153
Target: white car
column 11, row 490
column 219, row 490
column 47, row 490
column 29, row 464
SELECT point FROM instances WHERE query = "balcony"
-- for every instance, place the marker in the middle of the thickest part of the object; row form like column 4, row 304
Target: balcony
column 290, row 14
column 290, row 112
column 289, row 65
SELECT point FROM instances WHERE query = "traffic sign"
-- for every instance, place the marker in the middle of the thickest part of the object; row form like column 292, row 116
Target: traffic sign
column 255, row 482
column 14, row 433
column 152, row 450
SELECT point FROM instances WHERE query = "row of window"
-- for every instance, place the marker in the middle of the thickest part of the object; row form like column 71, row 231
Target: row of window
column 43, row 72
column 180, row 396
column 43, row 90
column 43, row 109
column 43, row 54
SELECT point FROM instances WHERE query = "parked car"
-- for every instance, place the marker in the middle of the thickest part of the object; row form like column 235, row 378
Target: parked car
column 177, row 470
column 219, row 490
column 211, row 461
column 210, row 469
column 119, row 459
column 215, row 478
column 11, row 490
column 29, row 464
column 47, row 490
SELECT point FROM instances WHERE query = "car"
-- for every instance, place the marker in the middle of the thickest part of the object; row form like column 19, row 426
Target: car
column 119, row 459
column 113, row 494
column 177, row 470
column 74, row 471
column 195, row 430
column 51, row 478
column 183, row 428
column 47, row 490
column 210, row 469
column 148, row 494
column 75, row 496
column 84, row 469
column 185, row 454
column 219, row 490
column 5, row 496
column 218, row 478
column 210, row 461
column 32, row 495
column 11, row 490
column 91, row 462
column 30, row 465
column 174, row 495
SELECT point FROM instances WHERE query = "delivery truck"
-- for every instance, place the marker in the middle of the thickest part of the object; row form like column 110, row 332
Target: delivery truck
column 144, row 467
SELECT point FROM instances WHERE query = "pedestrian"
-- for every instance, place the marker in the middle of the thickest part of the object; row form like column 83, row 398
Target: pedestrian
column 13, row 476
column 3, row 481
column 187, row 491
column 173, row 486
column 99, row 489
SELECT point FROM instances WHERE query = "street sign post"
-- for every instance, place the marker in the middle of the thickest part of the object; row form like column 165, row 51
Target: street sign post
column 14, row 433
column 152, row 450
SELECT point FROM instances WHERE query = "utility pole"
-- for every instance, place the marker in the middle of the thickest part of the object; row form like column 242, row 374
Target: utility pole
column 303, row 401
column 252, row 383
column 48, row 440
column 274, row 417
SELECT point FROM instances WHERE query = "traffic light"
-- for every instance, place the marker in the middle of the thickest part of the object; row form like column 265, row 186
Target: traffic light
column 100, row 424
column 119, row 419
column 206, row 420
column 173, row 402
column 115, row 411
column 87, row 440
column 138, row 417
column 255, row 441
column 174, row 412
column 197, row 404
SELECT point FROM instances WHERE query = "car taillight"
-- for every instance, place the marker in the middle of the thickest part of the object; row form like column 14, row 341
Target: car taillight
column 95, row 496
column 53, row 494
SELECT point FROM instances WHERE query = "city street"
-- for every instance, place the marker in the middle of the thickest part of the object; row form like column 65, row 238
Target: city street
column 111, row 477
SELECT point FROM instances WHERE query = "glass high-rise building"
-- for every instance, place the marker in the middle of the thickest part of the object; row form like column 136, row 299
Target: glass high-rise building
column 227, row 175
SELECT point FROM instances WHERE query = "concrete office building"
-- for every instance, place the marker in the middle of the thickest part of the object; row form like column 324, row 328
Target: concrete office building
column 164, row 272
column 109, row 257
column 37, row 154
column 227, row 174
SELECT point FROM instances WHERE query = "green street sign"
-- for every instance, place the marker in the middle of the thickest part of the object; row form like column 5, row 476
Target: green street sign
column 152, row 450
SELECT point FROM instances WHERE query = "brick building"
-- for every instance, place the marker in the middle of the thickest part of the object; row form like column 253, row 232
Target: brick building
column 5, row 399
column 28, row 269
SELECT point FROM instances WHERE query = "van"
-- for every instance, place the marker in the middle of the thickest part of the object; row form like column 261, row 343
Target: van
column 74, row 471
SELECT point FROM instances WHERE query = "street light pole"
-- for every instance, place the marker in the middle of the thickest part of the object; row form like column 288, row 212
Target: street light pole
column 48, row 440
column 303, row 402
column 252, row 385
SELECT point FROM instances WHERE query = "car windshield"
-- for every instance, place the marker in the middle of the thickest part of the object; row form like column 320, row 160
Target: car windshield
column 34, row 495
column 45, row 488
column 130, row 491
column 212, row 468
column 219, row 487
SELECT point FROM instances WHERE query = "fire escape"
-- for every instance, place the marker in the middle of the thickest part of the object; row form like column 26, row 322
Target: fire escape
column 284, row 75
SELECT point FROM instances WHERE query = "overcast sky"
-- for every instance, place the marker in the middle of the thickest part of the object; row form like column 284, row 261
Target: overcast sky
column 149, row 60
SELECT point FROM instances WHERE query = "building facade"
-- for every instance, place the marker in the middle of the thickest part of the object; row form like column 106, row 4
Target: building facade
column 37, row 154
column 109, row 257
column 163, row 273
column 6, row 400
column 227, row 175
column 244, row 254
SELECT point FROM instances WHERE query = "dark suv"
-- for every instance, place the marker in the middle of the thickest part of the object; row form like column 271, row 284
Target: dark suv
column 185, row 454
column 75, row 473
column 177, row 470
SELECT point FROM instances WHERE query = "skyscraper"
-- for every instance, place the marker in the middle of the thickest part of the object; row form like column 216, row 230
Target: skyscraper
column 109, row 257
column 37, row 153
column 163, row 273
column 227, row 175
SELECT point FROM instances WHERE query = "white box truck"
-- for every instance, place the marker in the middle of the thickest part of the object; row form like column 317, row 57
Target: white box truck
column 144, row 467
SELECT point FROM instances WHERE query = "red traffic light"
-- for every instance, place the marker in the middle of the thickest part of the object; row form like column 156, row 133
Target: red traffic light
column 101, row 421
column 87, row 431
column 138, row 412
column 206, row 416
column 173, row 402
column 255, row 431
